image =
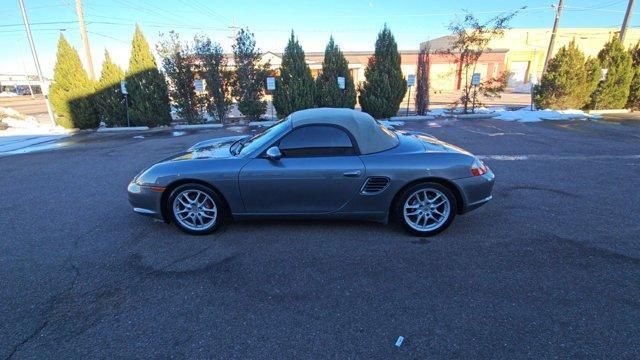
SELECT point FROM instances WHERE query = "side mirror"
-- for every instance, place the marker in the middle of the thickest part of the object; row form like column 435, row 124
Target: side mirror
column 273, row 153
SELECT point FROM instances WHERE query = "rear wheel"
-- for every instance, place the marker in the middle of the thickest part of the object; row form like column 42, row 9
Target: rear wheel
column 195, row 209
column 426, row 209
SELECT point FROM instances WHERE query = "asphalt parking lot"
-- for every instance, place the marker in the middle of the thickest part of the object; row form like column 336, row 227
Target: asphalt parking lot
column 549, row 269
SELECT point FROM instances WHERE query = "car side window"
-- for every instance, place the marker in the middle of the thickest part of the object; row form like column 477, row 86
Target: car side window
column 316, row 140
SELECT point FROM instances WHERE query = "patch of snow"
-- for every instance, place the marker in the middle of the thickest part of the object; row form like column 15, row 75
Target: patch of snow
column 440, row 112
column 526, row 115
column 8, row 94
column 522, row 88
column 391, row 124
column 412, row 118
column 197, row 126
column 123, row 128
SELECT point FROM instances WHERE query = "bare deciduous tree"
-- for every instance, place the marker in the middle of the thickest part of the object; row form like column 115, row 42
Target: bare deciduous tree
column 471, row 39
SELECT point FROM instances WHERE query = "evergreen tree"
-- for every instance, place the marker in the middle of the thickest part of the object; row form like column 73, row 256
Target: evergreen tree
column 109, row 98
column 568, row 81
column 249, row 82
column 594, row 72
column 295, row 89
column 216, row 75
column 613, row 92
column 72, row 91
column 146, row 86
column 385, row 86
column 328, row 92
column 634, row 92
column 177, row 63
column 422, row 80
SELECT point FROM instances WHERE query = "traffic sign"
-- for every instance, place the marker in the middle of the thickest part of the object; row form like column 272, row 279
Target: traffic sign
column 411, row 80
column 271, row 83
column 123, row 87
column 475, row 79
column 341, row 83
column 603, row 74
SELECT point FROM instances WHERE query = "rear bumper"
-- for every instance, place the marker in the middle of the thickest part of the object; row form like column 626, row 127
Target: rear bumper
column 476, row 191
column 145, row 201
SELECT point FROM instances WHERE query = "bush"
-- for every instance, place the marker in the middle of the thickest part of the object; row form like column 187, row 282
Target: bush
column 217, row 77
column 177, row 59
column 71, row 93
column 248, row 84
column 328, row 93
column 385, row 86
column 613, row 92
column 633, row 102
column 568, row 82
column 295, row 89
column 146, row 86
column 109, row 99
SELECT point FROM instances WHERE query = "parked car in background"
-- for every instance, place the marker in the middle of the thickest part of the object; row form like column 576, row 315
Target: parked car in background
column 317, row 163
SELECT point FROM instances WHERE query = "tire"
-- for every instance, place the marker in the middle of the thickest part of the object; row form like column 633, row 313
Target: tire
column 426, row 218
column 195, row 209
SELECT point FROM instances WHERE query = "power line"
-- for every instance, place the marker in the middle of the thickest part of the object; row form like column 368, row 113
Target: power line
column 41, row 23
column 108, row 37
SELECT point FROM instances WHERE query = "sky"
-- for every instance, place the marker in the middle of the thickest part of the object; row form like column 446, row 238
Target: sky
column 353, row 23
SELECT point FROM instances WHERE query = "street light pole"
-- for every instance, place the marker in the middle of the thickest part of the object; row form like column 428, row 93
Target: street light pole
column 36, row 62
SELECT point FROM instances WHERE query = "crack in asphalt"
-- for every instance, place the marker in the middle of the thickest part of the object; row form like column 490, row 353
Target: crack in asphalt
column 68, row 263
column 52, row 302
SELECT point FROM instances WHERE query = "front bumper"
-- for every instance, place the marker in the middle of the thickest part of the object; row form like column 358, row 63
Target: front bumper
column 145, row 200
column 476, row 190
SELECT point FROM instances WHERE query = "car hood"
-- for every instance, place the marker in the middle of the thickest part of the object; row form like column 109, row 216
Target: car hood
column 209, row 149
column 216, row 143
column 432, row 144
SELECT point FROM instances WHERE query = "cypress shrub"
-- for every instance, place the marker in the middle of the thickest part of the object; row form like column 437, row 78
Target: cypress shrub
column 384, row 86
column 568, row 82
column 109, row 98
column 72, row 92
column 146, row 86
column 613, row 92
column 634, row 91
column 328, row 92
column 295, row 89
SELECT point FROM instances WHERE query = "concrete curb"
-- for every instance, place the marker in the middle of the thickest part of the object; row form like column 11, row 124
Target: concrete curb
column 475, row 116
column 197, row 126
column 262, row 123
column 411, row 118
column 609, row 111
column 122, row 129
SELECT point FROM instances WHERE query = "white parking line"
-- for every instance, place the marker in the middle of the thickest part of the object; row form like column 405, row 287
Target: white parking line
column 558, row 157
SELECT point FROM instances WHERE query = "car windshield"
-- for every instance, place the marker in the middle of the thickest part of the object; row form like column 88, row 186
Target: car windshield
column 249, row 145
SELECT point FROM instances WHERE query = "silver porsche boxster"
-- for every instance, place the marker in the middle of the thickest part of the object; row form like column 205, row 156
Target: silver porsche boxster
column 316, row 163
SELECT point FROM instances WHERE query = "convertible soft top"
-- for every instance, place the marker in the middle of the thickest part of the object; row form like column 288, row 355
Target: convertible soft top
column 370, row 135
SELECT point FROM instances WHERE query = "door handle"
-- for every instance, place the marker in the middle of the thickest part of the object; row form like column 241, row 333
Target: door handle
column 354, row 173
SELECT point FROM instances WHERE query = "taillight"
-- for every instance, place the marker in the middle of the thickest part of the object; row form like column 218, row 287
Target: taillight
column 478, row 168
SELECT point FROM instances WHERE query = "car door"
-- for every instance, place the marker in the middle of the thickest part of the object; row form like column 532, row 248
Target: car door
column 319, row 172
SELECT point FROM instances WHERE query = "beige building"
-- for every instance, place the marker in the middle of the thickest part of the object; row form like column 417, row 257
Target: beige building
column 527, row 48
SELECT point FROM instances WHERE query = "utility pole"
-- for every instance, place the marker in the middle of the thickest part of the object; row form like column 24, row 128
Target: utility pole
column 85, row 39
column 627, row 19
column 36, row 62
column 553, row 36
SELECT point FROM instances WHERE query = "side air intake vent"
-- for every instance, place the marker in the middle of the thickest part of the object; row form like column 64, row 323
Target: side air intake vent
column 374, row 185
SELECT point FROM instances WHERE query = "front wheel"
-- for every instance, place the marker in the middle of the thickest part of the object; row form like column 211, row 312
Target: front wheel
column 195, row 209
column 426, row 209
